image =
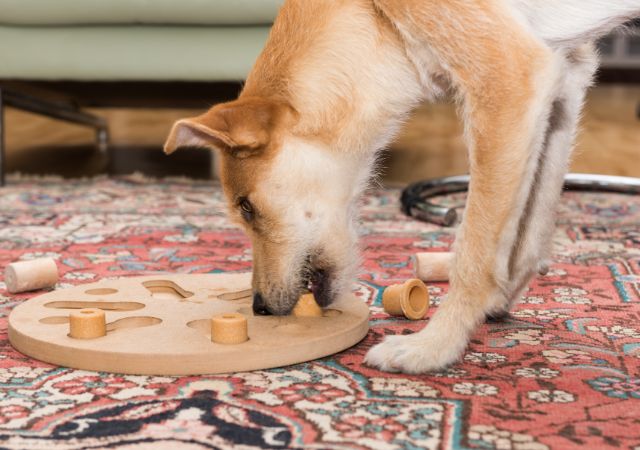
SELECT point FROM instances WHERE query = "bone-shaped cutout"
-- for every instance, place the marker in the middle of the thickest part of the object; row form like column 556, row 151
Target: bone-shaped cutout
column 132, row 322
column 120, row 324
column 106, row 306
column 54, row 320
column 101, row 291
column 237, row 295
column 166, row 290
column 331, row 313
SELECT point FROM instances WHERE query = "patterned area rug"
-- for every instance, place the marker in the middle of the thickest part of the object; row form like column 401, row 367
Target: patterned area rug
column 562, row 372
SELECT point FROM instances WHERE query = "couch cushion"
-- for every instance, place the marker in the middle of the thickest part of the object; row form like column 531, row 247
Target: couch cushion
column 126, row 12
column 147, row 53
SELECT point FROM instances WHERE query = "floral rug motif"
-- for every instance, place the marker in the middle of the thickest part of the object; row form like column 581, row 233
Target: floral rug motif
column 563, row 372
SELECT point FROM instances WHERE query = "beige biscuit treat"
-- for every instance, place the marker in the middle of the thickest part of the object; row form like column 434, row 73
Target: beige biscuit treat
column 88, row 323
column 409, row 299
column 229, row 328
column 26, row 276
column 307, row 307
column 432, row 266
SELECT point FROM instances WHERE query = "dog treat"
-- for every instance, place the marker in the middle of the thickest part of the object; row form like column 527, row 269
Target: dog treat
column 432, row 266
column 307, row 307
column 88, row 323
column 410, row 299
column 229, row 328
column 31, row 275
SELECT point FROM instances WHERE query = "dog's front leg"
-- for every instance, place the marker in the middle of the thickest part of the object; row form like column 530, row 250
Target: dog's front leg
column 520, row 127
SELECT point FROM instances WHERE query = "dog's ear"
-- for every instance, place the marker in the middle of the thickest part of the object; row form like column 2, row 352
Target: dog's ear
column 242, row 127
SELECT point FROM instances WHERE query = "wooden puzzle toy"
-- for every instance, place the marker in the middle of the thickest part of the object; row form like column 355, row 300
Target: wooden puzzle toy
column 26, row 276
column 432, row 266
column 409, row 299
column 177, row 325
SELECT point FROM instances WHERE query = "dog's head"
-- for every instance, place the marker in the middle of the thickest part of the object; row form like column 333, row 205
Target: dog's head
column 294, row 196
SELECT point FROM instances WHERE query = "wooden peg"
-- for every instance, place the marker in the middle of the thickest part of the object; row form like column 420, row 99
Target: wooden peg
column 307, row 307
column 229, row 328
column 410, row 299
column 432, row 266
column 88, row 323
column 26, row 276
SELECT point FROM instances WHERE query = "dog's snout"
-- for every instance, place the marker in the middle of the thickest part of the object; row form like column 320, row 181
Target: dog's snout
column 259, row 305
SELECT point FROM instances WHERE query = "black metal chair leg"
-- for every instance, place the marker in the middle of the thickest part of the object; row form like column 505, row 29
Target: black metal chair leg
column 67, row 112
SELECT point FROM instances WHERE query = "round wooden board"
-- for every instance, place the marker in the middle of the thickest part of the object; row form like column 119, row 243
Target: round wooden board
column 160, row 325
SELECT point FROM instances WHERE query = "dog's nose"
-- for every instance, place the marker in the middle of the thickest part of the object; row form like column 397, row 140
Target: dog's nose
column 259, row 306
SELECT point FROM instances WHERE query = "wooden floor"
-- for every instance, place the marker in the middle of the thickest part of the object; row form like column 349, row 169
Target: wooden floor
column 608, row 143
column 430, row 145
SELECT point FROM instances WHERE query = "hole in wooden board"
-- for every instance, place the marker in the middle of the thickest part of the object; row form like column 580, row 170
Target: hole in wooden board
column 237, row 295
column 166, row 290
column 202, row 325
column 105, row 306
column 126, row 322
column 54, row 320
column 290, row 328
column 132, row 322
column 247, row 311
column 101, row 291
column 331, row 313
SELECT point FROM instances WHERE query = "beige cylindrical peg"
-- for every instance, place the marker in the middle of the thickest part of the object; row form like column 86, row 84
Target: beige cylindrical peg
column 409, row 299
column 229, row 328
column 432, row 266
column 307, row 307
column 89, row 323
column 26, row 276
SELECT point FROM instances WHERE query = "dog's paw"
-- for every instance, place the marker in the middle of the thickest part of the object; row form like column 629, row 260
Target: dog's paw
column 417, row 353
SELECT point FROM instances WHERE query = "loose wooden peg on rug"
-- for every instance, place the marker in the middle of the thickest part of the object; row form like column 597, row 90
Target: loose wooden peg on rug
column 432, row 266
column 307, row 307
column 409, row 299
column 229, row 328
column 31, row 275
column 88, row 323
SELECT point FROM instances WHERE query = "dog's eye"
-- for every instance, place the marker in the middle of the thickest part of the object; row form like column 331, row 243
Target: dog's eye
column 246, row 208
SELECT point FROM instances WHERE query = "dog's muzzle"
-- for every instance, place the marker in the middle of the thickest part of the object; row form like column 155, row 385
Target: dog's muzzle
column 314, row 280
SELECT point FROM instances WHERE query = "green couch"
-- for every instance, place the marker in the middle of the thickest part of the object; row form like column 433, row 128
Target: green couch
column 159, row 40
column 127, row 41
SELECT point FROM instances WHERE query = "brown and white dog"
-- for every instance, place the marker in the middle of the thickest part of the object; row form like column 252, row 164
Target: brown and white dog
column 331, row 88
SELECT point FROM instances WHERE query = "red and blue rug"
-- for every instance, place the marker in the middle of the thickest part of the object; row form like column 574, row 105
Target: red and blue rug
column 563, row 372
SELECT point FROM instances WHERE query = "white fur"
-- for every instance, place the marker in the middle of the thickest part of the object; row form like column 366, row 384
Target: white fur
column 569, row 23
